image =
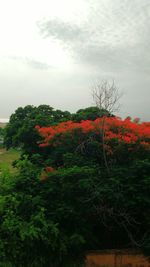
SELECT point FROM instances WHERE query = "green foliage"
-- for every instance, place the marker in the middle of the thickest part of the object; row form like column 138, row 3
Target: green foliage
column 74, row 210
column 62, row 201
column 33, row 218
column 90, row 113
column 2, row 131
column 21, row 132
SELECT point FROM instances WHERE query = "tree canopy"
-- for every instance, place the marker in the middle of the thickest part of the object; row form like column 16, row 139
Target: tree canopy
column 62, row 201
column 20, row 131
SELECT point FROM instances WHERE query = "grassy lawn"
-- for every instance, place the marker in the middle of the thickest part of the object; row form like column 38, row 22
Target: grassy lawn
column 6, row 159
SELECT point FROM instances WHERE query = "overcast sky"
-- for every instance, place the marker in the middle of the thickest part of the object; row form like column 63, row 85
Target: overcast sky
column 52, row 52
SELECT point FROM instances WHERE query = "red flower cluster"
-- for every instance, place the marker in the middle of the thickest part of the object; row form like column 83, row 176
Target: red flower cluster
column 49, row 169
column 124, row 131
column 45, row 171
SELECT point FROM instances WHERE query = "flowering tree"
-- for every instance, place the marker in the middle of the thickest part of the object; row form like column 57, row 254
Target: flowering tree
column 64, row 203
column 127, row 146
column 122, row 139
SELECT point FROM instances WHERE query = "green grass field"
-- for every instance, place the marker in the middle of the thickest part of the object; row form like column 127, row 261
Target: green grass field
column 6, row 159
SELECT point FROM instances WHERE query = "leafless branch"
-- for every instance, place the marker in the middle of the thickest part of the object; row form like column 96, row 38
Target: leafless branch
column 106, row 97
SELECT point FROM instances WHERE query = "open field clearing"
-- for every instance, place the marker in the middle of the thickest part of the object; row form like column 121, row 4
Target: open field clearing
column 6, row 159
column 3, row 124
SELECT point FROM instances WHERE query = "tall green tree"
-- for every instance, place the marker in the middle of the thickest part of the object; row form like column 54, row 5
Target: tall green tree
column 90, row 113
column 21, row 132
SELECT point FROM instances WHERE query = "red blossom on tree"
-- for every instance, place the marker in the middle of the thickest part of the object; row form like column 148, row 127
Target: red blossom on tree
column 49, row 169
column 121, row 131
column 115, row 128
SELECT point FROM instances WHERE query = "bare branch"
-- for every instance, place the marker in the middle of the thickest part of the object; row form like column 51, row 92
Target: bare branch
column 106, row 96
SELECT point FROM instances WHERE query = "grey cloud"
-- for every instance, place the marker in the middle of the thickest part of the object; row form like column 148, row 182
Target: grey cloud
column 35, row 64
column 63, row 31
column 117, row 60
column 115, row 35
column 114, row 41
column 38, row 64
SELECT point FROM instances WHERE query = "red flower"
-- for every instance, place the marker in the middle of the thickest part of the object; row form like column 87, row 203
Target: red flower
column 37, row 127
column 49, row 169
column 124, row 131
